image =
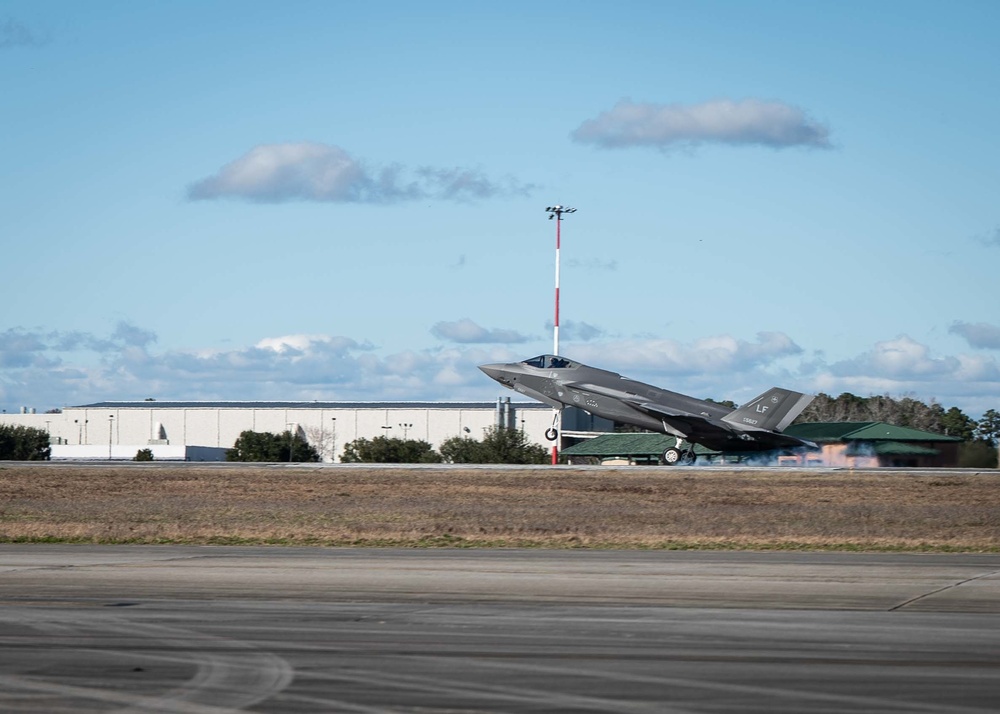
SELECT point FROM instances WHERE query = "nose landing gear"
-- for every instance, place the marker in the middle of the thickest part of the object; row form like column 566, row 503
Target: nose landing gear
column 552, row 433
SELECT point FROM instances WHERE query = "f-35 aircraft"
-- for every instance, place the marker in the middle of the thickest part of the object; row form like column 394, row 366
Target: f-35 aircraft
column 754, row 427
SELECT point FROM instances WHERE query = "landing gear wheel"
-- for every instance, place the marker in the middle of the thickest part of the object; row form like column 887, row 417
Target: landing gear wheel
column 671, row 456
column 551, row 433
column 689, row 458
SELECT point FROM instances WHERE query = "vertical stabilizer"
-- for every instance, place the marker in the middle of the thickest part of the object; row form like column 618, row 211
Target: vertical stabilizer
column 772, row 411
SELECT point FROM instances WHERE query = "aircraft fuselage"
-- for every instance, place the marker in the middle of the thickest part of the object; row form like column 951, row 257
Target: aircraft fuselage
column 560, row 382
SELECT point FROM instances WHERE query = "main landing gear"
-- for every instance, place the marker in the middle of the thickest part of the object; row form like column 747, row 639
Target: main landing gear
column 678, row 455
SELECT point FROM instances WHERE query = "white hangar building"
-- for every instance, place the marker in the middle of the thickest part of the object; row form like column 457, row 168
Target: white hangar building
column 202, row 431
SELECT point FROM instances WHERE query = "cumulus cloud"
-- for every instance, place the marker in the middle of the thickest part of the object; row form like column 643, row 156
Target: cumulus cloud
column 465, row 331
column 14, row 34
column 301, row 344
column 981, row 334
column 720, row 354
column 308, row 171
column 577, row 331
column 899, row 359
column 901, row 364
column 289, row 367
column 721, row 121
column 20, row 347
column 45, row 369
column 48, row 368
column 904, row 367
column 133, row 336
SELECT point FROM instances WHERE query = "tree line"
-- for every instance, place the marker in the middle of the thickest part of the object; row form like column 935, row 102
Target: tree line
column 499, row 445
column 907, row 412
column 23, row 443
column 503, row 445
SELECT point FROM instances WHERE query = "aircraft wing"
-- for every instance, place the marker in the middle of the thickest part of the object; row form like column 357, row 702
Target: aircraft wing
column 658, row 410
column 599, row 389
column 630, row 398
column 683, row 422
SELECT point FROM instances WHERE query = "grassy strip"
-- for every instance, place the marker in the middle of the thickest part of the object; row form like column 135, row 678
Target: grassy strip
column 458, row 542
column 633, row 509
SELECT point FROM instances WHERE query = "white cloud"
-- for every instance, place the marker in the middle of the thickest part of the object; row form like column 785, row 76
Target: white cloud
column 35, row 371
column 981, row 334
column 900, row 359
column 904, row 367
column 50, row 369
column 302, row 344
column 722, row 121
column 720, row 354
column 572, row 330
column 308, row 171
column 465, row 331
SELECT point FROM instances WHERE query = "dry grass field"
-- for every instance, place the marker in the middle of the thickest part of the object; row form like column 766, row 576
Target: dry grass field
column 453, row 507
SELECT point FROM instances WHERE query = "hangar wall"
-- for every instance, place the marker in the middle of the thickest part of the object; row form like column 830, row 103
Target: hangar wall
column 115, row 427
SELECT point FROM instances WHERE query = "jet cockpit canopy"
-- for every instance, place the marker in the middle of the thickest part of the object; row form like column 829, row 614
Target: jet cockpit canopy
column 549, row 362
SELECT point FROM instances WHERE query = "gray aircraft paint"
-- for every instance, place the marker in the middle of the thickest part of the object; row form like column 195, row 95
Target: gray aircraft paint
column 754, row 427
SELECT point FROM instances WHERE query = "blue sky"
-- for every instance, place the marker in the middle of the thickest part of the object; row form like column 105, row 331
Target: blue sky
column 345, row 201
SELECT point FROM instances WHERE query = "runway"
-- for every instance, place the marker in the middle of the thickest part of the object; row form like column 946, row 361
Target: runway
column 212, row 629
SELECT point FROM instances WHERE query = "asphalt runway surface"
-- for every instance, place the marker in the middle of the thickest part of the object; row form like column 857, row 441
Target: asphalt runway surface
column 213, row 629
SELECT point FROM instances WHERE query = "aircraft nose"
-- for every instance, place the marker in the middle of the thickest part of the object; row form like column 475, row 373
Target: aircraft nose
column 499, row 372
column 493, row 371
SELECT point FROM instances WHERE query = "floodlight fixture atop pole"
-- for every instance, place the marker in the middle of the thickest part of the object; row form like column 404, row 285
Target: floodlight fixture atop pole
column 557, row 212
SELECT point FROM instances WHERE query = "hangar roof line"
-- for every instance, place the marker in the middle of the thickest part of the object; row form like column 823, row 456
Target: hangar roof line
column 156, row 404
column 862, row 431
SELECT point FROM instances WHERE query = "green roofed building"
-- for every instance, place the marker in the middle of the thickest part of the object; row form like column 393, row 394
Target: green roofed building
column 875, row 443
column 841, row 444
column 627, row 449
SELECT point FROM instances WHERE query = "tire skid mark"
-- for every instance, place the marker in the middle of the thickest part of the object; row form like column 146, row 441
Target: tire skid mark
column 230, row 674
column 133, row 702
column 849, row 702
column 486, row 694
column 942, row 589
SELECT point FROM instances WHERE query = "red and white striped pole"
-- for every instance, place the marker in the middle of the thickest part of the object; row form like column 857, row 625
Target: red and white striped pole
column 556, row 212
column 555, row 327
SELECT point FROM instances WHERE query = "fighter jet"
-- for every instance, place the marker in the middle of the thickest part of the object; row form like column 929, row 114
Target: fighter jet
column 754, row 427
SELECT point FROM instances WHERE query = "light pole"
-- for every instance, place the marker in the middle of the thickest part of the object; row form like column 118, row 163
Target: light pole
column 111, row 421
column 557, row 212
column 292, row 428
column 406, row 429
column 333, row 441
column 79, row 429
